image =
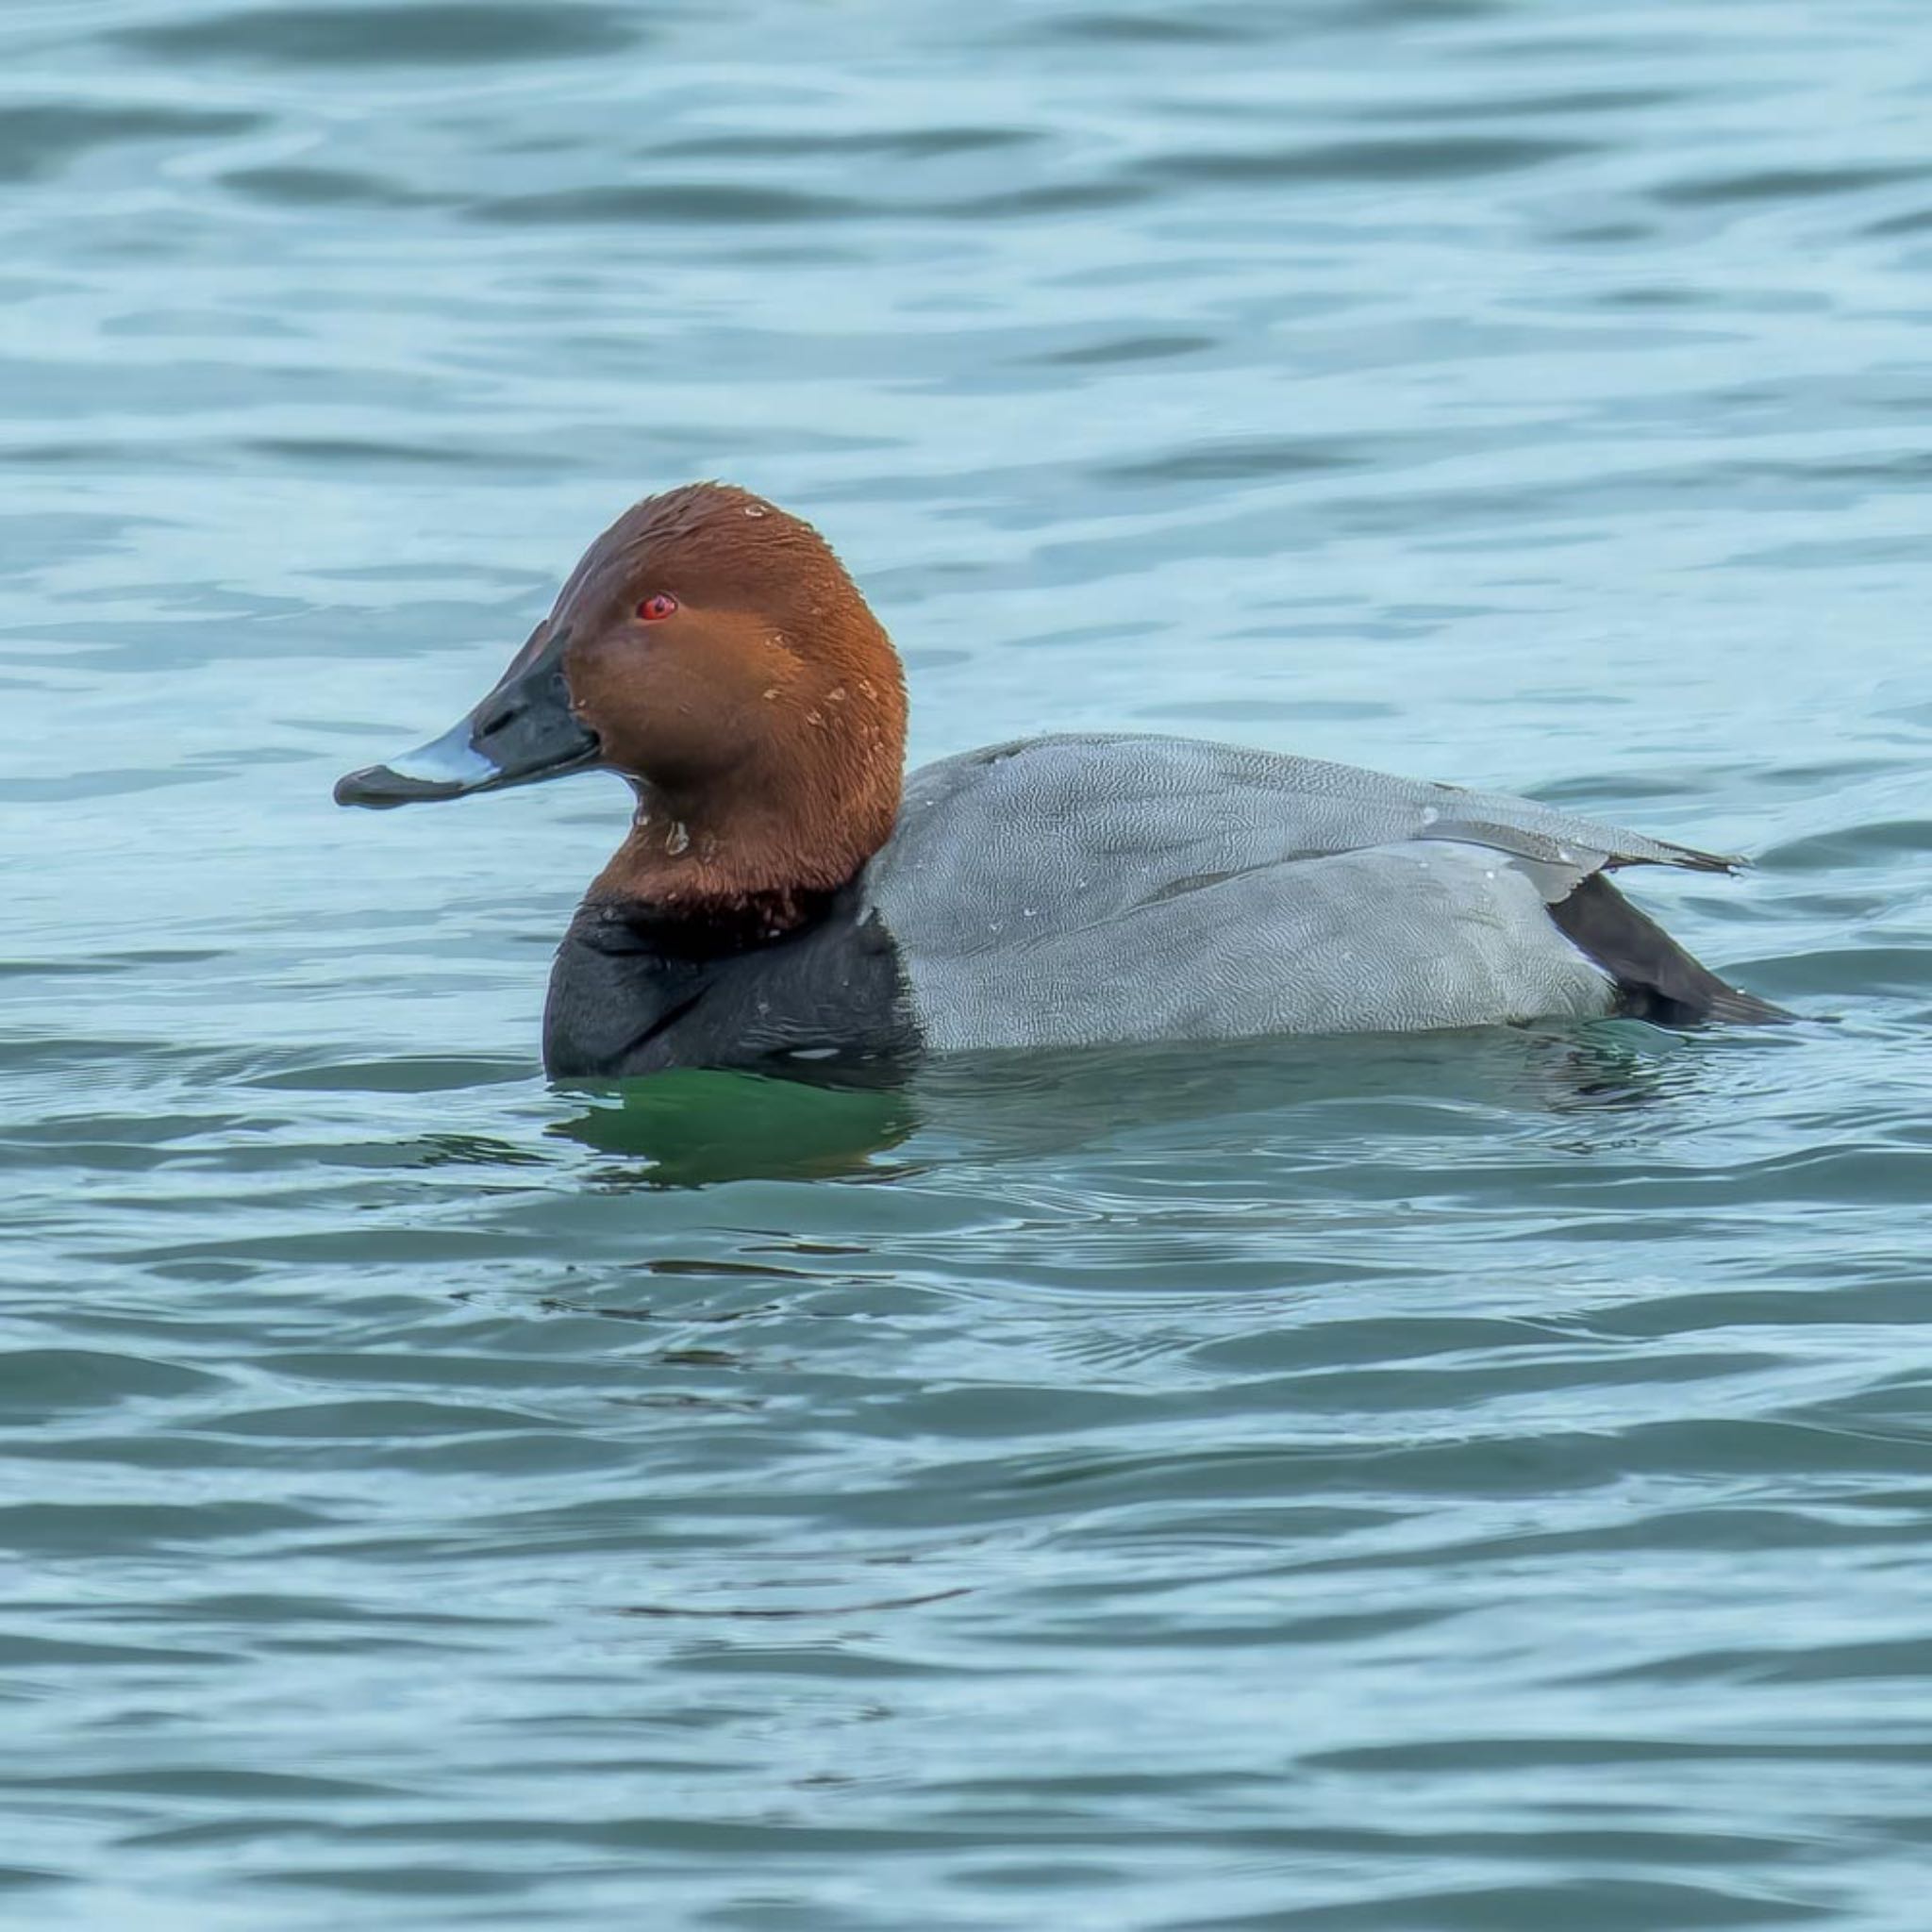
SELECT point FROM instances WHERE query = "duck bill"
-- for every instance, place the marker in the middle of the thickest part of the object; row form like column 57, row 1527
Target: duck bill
column 524, row 731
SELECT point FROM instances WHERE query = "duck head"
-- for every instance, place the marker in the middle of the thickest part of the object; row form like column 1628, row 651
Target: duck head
column 711, row 650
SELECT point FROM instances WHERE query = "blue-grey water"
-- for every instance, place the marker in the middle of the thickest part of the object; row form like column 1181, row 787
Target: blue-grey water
column 1476, row 1484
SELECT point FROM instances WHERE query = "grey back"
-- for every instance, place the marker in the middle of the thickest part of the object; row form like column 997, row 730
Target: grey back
column 1072, row 889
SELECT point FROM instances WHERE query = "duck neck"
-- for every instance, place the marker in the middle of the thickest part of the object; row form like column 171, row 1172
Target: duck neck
column 720, row 872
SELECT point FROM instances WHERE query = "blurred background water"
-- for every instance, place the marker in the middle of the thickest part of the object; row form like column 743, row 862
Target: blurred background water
column 1466, row 1483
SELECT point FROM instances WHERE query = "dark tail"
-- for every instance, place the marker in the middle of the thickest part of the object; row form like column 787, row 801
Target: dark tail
column 1657, row 980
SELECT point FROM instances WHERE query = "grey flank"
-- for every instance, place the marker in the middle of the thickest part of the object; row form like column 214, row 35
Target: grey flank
column 1079, row 888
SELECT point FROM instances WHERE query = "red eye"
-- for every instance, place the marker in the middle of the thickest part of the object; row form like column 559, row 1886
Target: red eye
column 655, row 610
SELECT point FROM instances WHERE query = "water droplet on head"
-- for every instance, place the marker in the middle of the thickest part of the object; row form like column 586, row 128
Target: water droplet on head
column 676, row 839
column 1430, row 814
column 754, row 510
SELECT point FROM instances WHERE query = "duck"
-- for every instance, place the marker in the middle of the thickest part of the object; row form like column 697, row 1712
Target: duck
column 785, row 895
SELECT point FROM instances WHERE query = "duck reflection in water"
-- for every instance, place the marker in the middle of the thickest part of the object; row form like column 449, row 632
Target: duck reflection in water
column 1308, row 1102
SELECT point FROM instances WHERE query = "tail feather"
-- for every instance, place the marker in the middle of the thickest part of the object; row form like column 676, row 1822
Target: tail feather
column 1657, row 980
column 1734, row 1006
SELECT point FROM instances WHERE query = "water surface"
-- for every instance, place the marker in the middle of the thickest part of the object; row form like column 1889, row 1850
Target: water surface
column 1480, row 1482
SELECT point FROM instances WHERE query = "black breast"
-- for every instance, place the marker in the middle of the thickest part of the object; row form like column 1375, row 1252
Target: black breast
column 631, row 993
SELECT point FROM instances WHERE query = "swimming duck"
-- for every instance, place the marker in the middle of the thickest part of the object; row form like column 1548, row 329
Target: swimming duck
column 783, row 895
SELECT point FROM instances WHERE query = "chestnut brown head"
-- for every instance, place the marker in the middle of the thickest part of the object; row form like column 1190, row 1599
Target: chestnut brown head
column 711, row 649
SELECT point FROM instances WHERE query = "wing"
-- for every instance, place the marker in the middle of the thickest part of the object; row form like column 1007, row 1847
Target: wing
column 1076, row 831
column 1073, row 889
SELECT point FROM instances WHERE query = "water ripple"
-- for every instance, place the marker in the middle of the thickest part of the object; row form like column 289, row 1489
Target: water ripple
column 1481, row 1481
column 431, row 32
